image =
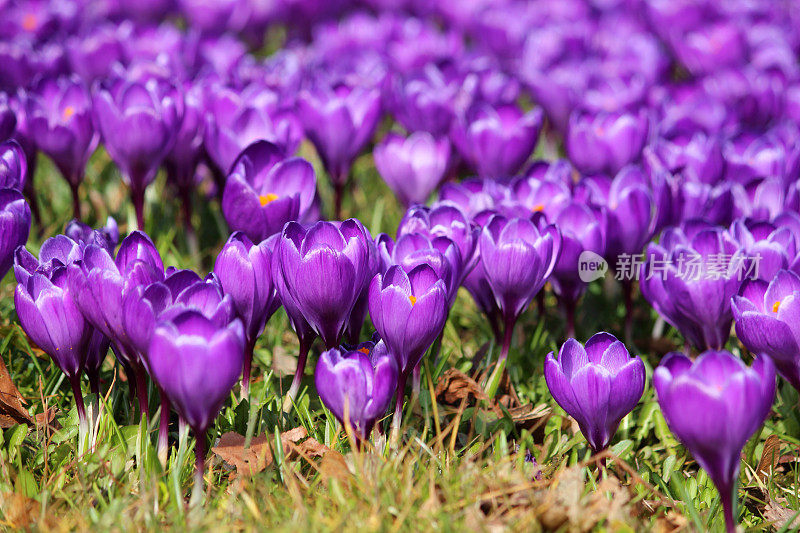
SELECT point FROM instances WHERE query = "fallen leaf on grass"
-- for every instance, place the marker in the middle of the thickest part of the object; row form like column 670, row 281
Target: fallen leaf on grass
column 48, row 418
column 12, row 411
column 780, row 516
column 307, row 449
column 258, row 456
column 334, row 466
column 19, row 511
column 769, row 458
column 671, row 522
column 454, row 386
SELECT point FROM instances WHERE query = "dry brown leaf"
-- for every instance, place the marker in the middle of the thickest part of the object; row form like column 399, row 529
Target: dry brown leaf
column 257, row 456
column 769, row 458
column 308, row 448
column 247, row 461
column 12, row 411
column 334, row 466
column 671, row 522
column 780, row 516
column 48, row 418
column 20, row 512
column 454, row 386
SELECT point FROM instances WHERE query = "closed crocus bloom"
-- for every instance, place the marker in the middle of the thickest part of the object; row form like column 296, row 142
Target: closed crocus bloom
column 711, row 47
column 517, row 256
column 264, row 191
column 15, row 224
column 13, row 166
column 138, row 121
column 414, row 249
column 106, row 237
column 244, row 270
column 425, row 100
column 61, row 119
column 237, row 119
column 182, row 352
column 182, row 160
column 357, row 385
column 629, row 209
column 698, row 156
column 497, row 141
column 690, row 277
column 766, row 321
column 474, row 196
column 773, row 246
column 412, row 167
column 547, row 192
column 8, row 119
column 323, row 269
column 582, row 229
column 408, row 311
column 445, row 219
column 48, row 313
column 340, row 122
column 99, row 283
column 91, row 56
column 597, row 385
column 714, row 405
column 604, row 142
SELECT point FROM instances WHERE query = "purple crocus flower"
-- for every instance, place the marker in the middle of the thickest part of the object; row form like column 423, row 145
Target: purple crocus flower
column 59, row 116
column 99, row 283
column 497, row 141
column 690, row 277
column 15, row 225
column 357, row 385
column 8, row 119
column 244, row 270
column 544, row 189
column 92, row 56
column 323, row 268
column 766, row 322
column 182, row 160
column 319, row 273
column 181, row 352
column 597, row 385
column 408, row 311
column 517, row 256
column 628, row 206
column 445, row 219
column 412, row 167
column 13, row 166
column 264, row 191
column 425, row 100
column 340, row 122
column 475, row 196
column 604, row 142
column 582, row 229
column 714, row 405
column 236, row 119
column 106, row 237
column 48, row 313
column 697, row 156
column 772, row 245
column 138, row 121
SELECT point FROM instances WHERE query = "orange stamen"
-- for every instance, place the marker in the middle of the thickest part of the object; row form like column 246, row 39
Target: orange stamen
column 267, row 198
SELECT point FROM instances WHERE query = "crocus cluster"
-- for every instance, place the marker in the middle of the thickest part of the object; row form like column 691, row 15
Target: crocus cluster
column 678, row 123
